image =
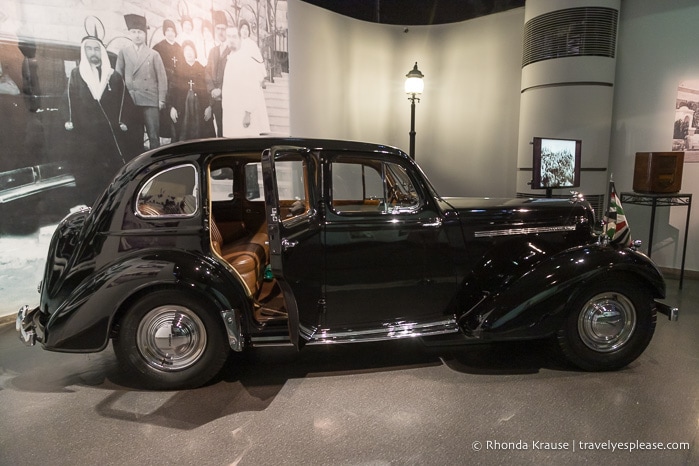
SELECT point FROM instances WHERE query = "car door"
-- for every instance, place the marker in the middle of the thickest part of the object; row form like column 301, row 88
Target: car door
column 387, row 255
column 296, row 256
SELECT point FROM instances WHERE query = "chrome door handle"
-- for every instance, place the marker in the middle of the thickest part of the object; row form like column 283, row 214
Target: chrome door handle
column 286, row 244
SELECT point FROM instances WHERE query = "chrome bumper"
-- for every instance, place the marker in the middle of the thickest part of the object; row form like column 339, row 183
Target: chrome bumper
column 672, row 313
column 26, row 326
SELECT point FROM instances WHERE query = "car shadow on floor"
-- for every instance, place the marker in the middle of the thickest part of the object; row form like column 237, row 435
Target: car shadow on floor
column 251, row 381
column 507, row 358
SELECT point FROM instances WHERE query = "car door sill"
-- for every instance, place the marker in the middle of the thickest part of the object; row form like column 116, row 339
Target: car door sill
column 388, row 331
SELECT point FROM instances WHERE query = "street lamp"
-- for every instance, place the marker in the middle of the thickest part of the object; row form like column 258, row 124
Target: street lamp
column 413, row 87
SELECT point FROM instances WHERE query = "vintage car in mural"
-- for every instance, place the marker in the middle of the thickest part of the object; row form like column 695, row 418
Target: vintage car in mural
column 34, row 158
column 199, row 248
column 39, row 156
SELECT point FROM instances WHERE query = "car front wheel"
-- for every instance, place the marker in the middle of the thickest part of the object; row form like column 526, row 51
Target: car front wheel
column 167, row 340
column 608, row 326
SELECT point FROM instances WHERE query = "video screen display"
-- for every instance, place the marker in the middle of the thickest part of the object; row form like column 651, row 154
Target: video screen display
column 556, row 163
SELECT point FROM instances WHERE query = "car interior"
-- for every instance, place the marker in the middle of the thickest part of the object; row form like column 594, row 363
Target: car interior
column 239, row 227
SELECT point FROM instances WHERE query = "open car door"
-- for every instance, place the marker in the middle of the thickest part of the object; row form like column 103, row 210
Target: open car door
column 296, row 256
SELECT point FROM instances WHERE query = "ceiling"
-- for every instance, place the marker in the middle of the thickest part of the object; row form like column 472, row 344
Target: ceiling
column 416, row 12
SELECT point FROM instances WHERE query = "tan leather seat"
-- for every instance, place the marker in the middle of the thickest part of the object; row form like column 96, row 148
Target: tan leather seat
column 248, row 255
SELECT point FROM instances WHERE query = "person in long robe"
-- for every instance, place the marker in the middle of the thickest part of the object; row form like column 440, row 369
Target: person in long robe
column 243, row 101
column 171, row 53
column 248, row 45
column 191, row 111
column 100, row 120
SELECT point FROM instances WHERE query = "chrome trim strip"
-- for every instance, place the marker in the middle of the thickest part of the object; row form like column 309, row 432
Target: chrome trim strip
column 522, row 231
column 387, row 332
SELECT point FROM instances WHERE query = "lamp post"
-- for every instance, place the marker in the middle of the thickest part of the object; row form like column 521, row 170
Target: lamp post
column 413, row 87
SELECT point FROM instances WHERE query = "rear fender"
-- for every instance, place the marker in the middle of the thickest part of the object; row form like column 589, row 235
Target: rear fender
column 533, row 303
column 84, row 321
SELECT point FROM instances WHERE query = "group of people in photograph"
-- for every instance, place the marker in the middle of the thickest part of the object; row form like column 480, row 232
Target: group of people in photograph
column 196, row 101
column 168, row 93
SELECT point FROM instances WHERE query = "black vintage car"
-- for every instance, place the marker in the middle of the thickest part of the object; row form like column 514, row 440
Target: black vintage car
column 202, row 247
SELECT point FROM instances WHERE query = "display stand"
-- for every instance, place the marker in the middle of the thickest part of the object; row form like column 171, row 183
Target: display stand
column 661, row 200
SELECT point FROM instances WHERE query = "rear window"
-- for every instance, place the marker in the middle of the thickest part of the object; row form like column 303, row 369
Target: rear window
column 170, row 193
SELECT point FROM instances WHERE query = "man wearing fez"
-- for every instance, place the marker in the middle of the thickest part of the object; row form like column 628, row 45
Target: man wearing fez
column 145, row 76
column 214, row 68
column 171, row 53
column 99, row 120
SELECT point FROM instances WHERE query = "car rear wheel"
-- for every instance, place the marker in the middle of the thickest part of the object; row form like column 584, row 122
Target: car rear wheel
column 608, row 326
column 167, row 340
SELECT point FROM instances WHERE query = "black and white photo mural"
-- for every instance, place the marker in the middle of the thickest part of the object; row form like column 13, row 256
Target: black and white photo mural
column 85, row 86
column 685, row 134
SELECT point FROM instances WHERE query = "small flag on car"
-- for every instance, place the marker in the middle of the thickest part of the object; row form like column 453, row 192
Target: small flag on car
column 615, row 226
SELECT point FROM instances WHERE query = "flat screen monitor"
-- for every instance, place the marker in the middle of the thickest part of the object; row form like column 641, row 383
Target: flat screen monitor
column 556, row 163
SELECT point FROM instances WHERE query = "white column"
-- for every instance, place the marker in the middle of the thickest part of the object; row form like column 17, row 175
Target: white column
column 567, row 85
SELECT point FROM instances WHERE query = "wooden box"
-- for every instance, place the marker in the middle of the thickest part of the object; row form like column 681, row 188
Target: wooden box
column 658, row 172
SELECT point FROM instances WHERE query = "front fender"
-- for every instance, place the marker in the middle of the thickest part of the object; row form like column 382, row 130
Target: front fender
column 533, row 304
column 84, row 320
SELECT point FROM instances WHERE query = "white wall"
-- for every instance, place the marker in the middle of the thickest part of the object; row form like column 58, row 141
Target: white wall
column 657, row 48
column 347, row 80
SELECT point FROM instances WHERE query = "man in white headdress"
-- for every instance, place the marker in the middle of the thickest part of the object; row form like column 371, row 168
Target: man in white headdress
column 100, row 112
column 243, row 101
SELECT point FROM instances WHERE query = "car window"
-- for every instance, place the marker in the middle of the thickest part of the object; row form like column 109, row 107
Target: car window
column 221, row 184
column 292, row 185
column 363, row 185
column 170, row 193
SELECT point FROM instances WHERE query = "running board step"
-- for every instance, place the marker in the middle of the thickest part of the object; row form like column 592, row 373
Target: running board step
column 386, row 332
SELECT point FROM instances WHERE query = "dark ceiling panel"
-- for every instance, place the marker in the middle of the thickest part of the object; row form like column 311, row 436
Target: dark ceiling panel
column 416, row 12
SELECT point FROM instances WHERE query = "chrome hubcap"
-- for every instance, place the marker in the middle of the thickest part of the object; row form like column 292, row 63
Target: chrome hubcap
column 171, row 338
column 607, row 322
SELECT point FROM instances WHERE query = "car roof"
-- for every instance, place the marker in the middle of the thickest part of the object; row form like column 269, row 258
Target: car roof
column 217, row 146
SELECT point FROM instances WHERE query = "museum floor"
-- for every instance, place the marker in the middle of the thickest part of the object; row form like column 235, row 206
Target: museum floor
column 388, row 403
